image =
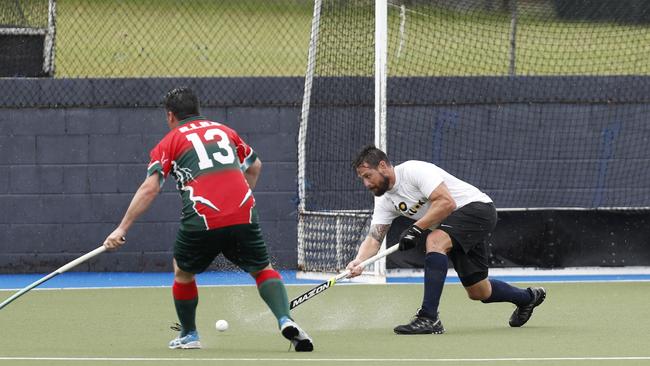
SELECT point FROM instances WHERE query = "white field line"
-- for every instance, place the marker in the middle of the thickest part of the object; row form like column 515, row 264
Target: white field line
column 529, row 271
column 334, row 360
column 552, row 274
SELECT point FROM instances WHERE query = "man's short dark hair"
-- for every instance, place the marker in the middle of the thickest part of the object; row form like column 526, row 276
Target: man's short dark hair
column 370, row 155
column 182, row 102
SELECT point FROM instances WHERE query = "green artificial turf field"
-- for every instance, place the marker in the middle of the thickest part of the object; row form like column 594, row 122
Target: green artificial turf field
column 579, row 324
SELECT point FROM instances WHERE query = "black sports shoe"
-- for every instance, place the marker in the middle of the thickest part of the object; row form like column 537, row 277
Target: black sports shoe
column 299, row 338
column 522, row 313
column 421, row 325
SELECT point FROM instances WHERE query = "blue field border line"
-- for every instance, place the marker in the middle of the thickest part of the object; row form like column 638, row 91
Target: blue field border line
column 136, row 279
column 232, row 278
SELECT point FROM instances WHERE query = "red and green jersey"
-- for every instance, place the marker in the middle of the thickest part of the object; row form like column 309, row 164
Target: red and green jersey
column 208, row 160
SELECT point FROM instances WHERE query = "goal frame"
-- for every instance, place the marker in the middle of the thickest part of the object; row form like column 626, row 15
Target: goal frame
column 377, row 272
column 49, row 37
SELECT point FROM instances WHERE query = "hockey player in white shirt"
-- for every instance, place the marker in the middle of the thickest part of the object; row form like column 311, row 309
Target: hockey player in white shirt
column 452, row 220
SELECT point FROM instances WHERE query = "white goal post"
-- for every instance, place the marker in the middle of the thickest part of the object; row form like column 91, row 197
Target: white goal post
column 381, row 62
column 328, row 239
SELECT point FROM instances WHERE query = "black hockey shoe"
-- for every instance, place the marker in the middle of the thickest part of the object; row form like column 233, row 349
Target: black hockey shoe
column 522, row 313
column 421, row 325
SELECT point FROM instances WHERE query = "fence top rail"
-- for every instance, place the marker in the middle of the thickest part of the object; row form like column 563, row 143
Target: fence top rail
column 130, row 92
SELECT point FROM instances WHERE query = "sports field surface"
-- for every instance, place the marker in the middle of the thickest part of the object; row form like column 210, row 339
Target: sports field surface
column 590, row 323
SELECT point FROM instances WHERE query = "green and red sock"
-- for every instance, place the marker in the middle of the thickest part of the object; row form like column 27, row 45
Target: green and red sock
column 272, row 290
column 186, row 298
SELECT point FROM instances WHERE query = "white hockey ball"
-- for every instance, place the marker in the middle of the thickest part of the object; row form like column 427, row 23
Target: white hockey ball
column 221, row 325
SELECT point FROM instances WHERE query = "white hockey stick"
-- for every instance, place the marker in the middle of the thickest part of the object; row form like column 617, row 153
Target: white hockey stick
column 62, row 269
column 332, row 281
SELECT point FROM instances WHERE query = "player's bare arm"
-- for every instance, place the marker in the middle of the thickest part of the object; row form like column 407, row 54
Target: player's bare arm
column 253, row 173
column 442, row 205
column 369, row 247
column 141, row 201
column 378, row 232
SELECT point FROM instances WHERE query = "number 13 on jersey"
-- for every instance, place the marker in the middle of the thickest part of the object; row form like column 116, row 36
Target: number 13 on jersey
column 225, row 156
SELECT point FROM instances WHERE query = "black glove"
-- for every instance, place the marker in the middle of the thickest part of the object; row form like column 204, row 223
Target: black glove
column 411, row 237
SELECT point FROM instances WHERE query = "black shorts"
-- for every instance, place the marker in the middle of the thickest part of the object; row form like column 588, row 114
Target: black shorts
column 469, row 227
column 242, row 245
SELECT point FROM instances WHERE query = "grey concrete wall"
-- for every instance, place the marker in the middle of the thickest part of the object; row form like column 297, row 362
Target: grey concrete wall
column 67, row 176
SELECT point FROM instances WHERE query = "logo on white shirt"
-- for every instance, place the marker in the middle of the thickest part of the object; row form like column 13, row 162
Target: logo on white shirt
column 403, row 208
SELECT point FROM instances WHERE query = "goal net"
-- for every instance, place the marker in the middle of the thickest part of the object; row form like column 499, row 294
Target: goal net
column 541, row 104
column 27, row 34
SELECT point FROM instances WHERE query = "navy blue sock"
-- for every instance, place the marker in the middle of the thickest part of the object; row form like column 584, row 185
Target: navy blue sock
column 503, row 292
column 435, row 273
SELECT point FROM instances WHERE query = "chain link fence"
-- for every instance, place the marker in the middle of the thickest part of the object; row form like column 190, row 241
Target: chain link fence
column 117, row 53
column 124, row 53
